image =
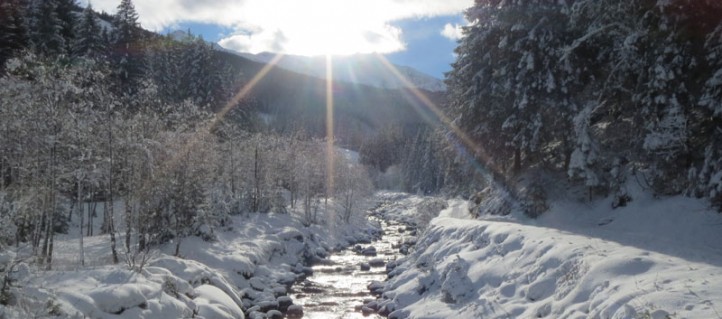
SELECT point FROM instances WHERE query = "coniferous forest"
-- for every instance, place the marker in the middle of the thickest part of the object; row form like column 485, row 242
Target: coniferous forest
column 595, row 93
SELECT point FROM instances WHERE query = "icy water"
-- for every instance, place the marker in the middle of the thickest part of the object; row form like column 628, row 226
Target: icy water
column 338, row 288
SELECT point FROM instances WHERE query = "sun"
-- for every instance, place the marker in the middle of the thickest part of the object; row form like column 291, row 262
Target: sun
column 316, row 28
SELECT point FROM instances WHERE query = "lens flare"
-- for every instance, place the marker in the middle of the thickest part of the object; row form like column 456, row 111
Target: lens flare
column 330, row 151
column 477, row 151
column 202, row 134
column 246, row 89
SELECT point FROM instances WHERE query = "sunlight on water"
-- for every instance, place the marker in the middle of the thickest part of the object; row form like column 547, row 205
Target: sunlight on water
column 339, row 287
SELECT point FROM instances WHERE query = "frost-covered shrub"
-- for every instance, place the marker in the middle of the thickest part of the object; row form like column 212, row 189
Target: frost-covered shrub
column 534, row 200
column 456, row 285
column 493, row 200
column 428, row 209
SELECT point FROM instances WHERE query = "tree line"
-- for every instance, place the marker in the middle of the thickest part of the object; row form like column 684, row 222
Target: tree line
column 594, row 93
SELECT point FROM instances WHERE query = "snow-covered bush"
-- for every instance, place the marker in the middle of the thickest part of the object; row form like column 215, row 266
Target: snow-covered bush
column 455, row 282
column 534, row 199
column 352, row 186
column 492, row 200
column 428, row 209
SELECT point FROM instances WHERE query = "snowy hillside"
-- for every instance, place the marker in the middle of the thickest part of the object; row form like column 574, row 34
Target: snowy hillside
column 654, row 259
column 361, row 68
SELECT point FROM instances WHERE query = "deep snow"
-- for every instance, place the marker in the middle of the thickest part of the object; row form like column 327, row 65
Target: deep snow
column 251, row 264
column 655, row 258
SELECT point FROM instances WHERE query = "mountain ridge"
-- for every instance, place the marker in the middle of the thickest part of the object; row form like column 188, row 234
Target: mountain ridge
column 366, row 69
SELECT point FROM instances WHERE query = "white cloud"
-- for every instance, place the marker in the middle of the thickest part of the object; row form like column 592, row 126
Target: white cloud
column 452, row 31
column 294, row 26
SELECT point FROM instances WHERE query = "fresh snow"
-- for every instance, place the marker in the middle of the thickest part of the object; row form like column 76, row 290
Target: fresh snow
column 655, row 258
column 251, row 262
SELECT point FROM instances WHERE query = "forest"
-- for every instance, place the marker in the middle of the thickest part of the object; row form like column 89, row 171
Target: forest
column 592, row 94
column 93, row 116
column 588, row 94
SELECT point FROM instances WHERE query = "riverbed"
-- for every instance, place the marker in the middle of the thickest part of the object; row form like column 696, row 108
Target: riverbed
column 339, row 285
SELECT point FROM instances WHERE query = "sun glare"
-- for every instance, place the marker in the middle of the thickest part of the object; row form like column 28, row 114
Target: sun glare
column 316, row 28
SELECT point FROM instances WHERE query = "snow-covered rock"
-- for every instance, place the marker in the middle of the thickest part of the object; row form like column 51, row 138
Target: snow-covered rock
column 214, row 303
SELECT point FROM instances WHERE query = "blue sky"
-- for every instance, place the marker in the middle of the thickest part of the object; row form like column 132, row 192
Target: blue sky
column 426, row 49
column 416, row 33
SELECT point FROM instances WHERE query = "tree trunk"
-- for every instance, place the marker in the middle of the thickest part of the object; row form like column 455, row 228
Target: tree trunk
column 256, row 178
column 81, row 216
column 177, row 247
column 91, row 213
column 128, row 222
column 142, row 229
column 128, row 205
column 54, row 208
column 111, row 222
column 233, row 170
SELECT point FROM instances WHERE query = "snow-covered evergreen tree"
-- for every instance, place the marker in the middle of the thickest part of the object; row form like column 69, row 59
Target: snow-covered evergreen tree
column 68, row 22
column 13, row 33
column 127, row 42
column 88, row 40
column 46, row 28
column 562, row 86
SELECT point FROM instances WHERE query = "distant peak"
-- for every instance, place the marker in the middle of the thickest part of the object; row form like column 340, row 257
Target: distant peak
column 357, row 68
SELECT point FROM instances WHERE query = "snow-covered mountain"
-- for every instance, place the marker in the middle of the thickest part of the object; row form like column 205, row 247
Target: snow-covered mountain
column 365, row 69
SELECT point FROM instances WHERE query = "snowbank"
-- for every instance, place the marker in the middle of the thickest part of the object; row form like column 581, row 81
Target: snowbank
column 250, row 264
column 656, row 258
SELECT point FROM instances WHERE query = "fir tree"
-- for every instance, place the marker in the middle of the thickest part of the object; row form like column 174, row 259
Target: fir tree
column 89, row 42
column 127, row 44
column 68, row 22
column 13, row 35
column 45, row 28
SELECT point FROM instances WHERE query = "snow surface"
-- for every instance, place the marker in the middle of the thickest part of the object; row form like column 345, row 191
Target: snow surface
column 251, row 261
column 655, row 258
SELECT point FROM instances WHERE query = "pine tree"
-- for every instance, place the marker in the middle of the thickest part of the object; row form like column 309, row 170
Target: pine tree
column 88, row 41
column 45, row 28
column 68, row 22
column 127, row 44
column 13, row 35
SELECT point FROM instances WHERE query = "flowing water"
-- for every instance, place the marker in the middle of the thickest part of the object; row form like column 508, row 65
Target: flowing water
column 338, row 287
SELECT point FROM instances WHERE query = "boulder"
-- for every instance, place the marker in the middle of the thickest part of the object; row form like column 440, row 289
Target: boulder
column 377, row 262
column 274, row 314
column 256, row 315
column 366, row 311
column 267, row 305
column 294, row 311
column 373, row 305
column 369, row 251
column 284, row 302
column 376, row 287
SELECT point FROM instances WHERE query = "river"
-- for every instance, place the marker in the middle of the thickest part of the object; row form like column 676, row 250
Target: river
column 338, row 287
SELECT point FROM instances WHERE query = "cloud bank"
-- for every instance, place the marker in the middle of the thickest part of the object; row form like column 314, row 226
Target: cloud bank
column 307, row 27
